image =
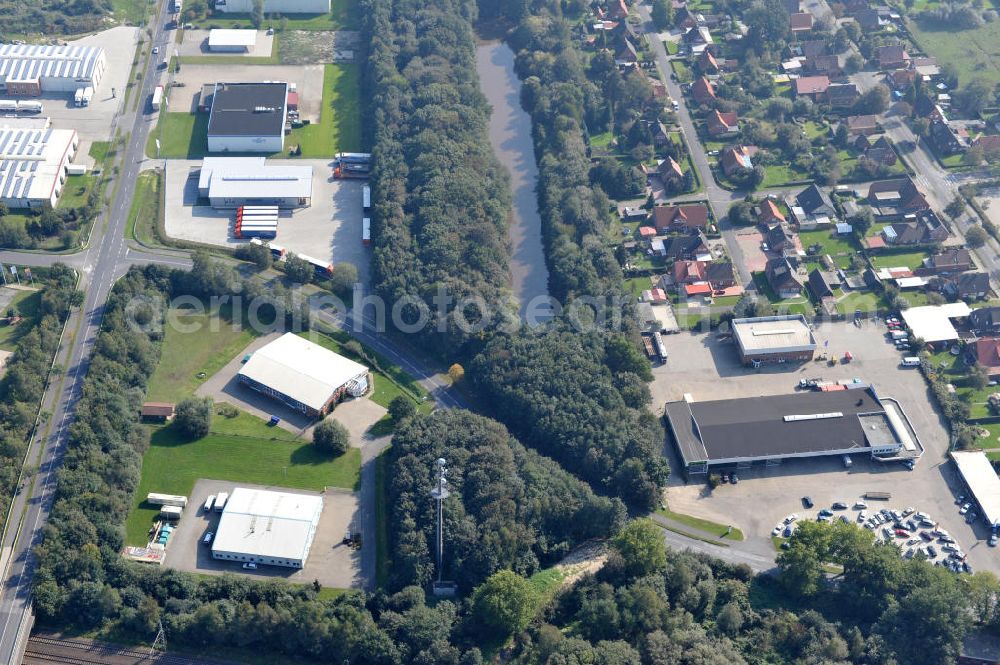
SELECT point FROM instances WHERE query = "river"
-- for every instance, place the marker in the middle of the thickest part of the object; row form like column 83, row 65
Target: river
column 510, row 135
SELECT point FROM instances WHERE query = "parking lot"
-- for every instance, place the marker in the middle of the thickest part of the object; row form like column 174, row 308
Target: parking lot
column 308, row 80
column 708, row 368
column 93, row 123
column 329, row 229
column 195, row 43
column 330, row 561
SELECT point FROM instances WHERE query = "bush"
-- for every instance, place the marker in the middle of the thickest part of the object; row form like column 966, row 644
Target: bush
column 332, row 437
column 401, row 408
column 194, row 417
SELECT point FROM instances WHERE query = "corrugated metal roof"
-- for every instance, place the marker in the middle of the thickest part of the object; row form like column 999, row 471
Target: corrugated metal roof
column 30, row 62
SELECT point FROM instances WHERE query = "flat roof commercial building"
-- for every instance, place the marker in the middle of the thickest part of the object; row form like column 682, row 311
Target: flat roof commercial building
column 231, row 182
column 984, row 486
column 266, row 527
column 773, row 339
column 33, row 164
column 248, row 117
column 33, row 69
column 275, row 6
column 303, row 375
column 221, row 40
column 775, row 428
column 933, row 323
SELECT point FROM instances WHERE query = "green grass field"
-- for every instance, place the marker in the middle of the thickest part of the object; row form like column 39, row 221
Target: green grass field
column 132, row 12
column 76, row 190
column 829, row 241
column 243, row 449
column 910, row 260
column 776, row 175
column 26, row 304
column 973, row 53
column 186, row 356
column 181, row 136
column 865, row 301
column 144, row 215
column 708, row 526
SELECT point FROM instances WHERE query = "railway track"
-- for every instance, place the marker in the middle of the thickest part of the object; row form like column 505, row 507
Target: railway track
column 43, row 649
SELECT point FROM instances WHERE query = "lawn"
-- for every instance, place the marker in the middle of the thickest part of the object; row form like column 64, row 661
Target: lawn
column 776, row 175
column 99, row 152
column 973, row 53
column 800, row 305
column 243, row 449
column 671, row 47
column 144, row 215
column 909, row 260
column 132, row 12
column 636, row 285
column 830, row 242
column 708, row 526
column 76, row 190
column 189, row 358
column 185, row 135
column 992, row 440
column 682, row 71
column 26, row 304
column 866, row 301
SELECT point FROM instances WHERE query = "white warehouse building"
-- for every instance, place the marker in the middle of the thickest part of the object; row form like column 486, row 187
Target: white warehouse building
column 33, row 164
column 33, row 69
column 274, row 6
column 231, row 182
column 248, row 117
column 221, row 40
column 267, row 527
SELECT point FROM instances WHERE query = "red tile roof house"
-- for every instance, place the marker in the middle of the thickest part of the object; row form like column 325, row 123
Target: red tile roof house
column 702, row 91
column 708, row 63
column 670, row 172
column 736, row 158
column 688, row 272
column 723, row 124
column 682, row 217
column 892, row 57
column 987, row 143
column 814, row 87
column 770, row 213
column 987, row 352
column 862, row 124
column 800, row 23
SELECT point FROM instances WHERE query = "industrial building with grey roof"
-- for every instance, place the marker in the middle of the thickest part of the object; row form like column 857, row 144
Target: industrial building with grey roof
column 767, row 339
column 248, row 117
column 773, row 428
column 33, row 69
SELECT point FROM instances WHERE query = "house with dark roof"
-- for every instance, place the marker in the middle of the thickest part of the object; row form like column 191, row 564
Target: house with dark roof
column 707, row 63
column 736, row 159
column 946, row 138
column 870, row 20
column 896, row 197
column 967, row 286
column 691, row 217
column 893, row 56
column 842, row 95
column 702, row 91
column 670, row 173
column 901, row 79
column 862, row 124
column 828, row 65
column 813, row 87
column 927, row 229
column 800, row 23
column 818, row 287
column 780, row 276
column 720, row 275
column 987, row 353
column 769, row 213
column 950, row 261
column 723, row 124
column 659, row 132
column 777, row 240
column 852, row 7
column 989, row 143
column 985, row 321
column 698, row 38
column 684, row 18
column 880, row 152
column 617, row 9
column 248, row 117
column 815, row 202
column 811, row 49
column 626, row 53
column 690, row 247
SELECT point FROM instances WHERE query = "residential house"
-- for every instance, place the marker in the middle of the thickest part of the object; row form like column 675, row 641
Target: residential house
column 689, row 272
column 985, row 321
column 781, row 276
column 707, row 63
column 926, row 229
column 896, row 197
column 893, row 56
column 770, row 213
column 813, row 87
column 689, row 247
column 671, row 174
column 901, row 79
column 800, row 23
column 967, row 286
column 777, row 240
column 702, row 91
column 870, row 20
column 818, row 286
column 824, row 64
column 924, row 66
column 659, row 89
column 880, row 152
column 987, row 353
column 684, row 18
column 950, row 261
column 617, row 9
column 720, row 275
column 660, row 135
column 852, row 7
column 811, row 49
column 697, row 38
column 989, row 143
column 723, row 124
column 626, row 53
column 692, row 218
column 862, row 124
column 842, row 95
column 946, row 138
column 814, row 202
column 736, row 159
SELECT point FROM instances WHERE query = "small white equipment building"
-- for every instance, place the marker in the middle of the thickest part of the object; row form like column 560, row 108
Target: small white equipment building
column 221, row 40
column 267, row 527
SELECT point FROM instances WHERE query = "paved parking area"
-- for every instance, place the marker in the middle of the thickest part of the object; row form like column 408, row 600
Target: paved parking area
column 93, row 123
column 307, row 78
column 330, row 561
column 329, row 229
column 195, row 42
column 989, row 200
column 708, row 368
column 749, row 241
column 357, row 415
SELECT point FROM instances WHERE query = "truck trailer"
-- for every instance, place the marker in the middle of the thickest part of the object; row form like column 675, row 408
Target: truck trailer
column 166, row 499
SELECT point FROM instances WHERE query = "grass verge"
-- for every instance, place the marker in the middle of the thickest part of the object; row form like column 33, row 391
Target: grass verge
column 707, row 526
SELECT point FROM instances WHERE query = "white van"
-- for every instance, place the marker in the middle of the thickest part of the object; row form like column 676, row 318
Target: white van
column 910, row 361
column 898, row 334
